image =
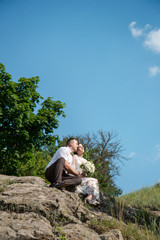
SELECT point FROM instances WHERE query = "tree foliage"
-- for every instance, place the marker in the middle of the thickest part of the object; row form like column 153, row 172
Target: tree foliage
column 105, row 150
column 22, row 131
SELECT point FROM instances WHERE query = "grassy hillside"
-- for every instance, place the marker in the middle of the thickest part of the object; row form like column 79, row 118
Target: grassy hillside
column 143, row 209
column 148, row 198
column 136, row 215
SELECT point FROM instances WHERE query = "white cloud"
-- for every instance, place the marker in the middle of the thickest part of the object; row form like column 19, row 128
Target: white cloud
column 147, row 26
column 131, row 155
column 152, row 40
column 154, row 70
column 136, row 32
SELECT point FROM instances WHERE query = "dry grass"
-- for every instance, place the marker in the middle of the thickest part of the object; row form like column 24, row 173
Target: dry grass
column 129, row 231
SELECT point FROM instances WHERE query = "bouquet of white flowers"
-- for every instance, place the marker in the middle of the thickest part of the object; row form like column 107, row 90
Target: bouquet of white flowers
column 88, row 167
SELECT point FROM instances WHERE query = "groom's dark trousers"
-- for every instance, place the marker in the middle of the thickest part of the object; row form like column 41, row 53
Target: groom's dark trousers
column 56, row 174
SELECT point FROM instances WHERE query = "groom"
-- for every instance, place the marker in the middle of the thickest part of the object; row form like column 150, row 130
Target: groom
column 55, row 171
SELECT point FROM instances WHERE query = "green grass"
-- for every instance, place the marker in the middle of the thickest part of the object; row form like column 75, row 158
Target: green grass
column 129, row 231
column 148, row 198
column 4, row 184
column 2, row 189
column 141, row 206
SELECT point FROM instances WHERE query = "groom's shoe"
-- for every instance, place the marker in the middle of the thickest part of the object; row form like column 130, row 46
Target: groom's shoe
column 59, row 185
column 52, row 185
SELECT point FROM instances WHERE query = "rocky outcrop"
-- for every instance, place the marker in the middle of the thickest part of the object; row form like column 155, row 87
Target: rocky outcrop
column 29, row 209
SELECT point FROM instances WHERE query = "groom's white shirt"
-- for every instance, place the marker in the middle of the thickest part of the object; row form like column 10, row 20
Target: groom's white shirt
column 63, row 152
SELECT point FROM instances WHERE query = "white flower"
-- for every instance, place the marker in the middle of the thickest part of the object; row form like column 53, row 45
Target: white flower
column 88, row 167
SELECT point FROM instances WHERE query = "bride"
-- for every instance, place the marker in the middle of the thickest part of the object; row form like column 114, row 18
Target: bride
column 89, row 186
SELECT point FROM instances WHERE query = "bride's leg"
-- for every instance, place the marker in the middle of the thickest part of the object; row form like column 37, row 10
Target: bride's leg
column 89, row 197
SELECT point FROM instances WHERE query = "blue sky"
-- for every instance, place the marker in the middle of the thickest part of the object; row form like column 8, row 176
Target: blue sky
column 102, row 58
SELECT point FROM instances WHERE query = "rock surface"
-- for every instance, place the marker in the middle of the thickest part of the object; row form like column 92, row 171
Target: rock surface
column 112, row 235
column 29, row 209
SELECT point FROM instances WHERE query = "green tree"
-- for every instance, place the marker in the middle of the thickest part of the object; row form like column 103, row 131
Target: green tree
column 22, row 131
column 36, row 165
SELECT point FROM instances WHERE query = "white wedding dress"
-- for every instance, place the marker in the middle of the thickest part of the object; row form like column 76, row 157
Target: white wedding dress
column 89, row 185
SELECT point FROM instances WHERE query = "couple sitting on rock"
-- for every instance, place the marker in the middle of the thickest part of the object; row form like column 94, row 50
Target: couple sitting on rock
column 65, row 170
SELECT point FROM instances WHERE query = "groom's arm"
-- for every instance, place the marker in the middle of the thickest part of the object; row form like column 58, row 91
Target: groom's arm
column 64, row 154
column 69, row 169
